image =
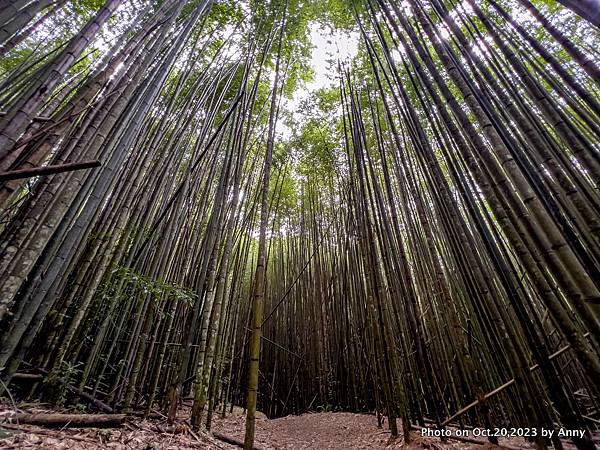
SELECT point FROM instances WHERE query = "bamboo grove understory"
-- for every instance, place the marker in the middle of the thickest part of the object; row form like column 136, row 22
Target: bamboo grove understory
column 424, row 243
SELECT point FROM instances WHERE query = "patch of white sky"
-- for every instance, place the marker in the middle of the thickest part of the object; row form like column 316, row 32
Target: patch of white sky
column 328, row 47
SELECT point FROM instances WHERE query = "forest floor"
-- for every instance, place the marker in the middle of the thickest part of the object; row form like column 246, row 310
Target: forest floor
column 319, row 431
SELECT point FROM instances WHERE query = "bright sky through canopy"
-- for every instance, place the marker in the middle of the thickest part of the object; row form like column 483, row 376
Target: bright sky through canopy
column 328, row 47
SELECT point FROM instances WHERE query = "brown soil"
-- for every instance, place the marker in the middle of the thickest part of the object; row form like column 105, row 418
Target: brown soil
column 311, row 431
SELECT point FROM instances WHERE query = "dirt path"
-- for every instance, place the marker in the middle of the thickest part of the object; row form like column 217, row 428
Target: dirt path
column 327, row 431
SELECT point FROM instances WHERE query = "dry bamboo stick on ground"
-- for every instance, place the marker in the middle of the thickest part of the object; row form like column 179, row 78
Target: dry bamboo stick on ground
column 53, row 420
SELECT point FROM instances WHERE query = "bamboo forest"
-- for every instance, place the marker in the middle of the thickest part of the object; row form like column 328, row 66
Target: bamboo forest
column 300, row 224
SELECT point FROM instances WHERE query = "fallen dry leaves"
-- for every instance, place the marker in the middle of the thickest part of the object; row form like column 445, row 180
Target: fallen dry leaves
column 319, row 431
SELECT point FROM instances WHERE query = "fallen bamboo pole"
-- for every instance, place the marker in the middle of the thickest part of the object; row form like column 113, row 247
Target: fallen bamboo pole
column 232, row 441
column 591, row 419
column 56, row 420
column 26, row 429
column 470, row 406
column 94, row 401
column 47, row 170
column 499, row 389
column 27, row 376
